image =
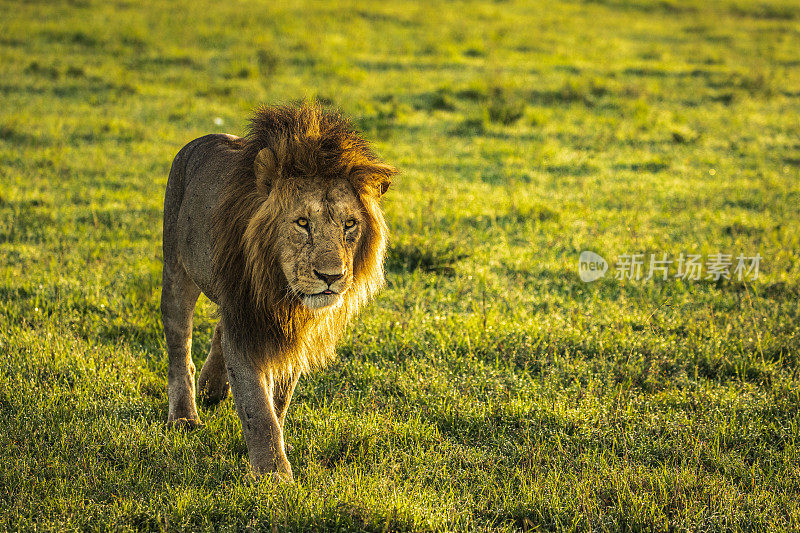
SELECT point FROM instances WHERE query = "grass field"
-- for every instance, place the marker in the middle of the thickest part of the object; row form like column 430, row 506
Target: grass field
column 488, row 387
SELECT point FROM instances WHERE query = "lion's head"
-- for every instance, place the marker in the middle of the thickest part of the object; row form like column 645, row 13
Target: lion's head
column 299, row 234
column 320, row 228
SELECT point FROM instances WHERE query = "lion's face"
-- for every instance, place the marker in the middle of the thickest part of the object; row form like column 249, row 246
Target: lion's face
column 321, row 231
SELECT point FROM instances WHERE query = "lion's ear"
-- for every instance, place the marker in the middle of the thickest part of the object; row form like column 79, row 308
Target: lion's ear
column 382, row 176
column 385, row 185
column 266, row 168
column 385, row 177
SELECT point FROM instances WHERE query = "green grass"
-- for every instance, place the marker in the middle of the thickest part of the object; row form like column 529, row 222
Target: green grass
column 487, row 388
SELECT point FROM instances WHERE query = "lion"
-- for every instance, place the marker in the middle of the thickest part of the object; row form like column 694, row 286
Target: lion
column 283, row 230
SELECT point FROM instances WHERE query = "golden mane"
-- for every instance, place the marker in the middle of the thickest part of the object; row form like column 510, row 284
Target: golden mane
column 259, row 312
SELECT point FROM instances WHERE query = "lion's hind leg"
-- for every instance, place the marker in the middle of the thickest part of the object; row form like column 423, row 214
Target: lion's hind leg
column 213, row 382
column 284, row 388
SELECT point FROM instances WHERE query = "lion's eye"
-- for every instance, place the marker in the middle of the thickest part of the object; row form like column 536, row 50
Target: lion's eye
column 350, row 223
column 302, row 222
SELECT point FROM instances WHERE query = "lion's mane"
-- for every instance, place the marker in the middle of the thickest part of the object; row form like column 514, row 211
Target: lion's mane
column 259, row 312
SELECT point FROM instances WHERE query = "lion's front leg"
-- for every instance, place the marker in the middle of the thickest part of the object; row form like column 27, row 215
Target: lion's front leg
column 253, row 393
column 178, row 297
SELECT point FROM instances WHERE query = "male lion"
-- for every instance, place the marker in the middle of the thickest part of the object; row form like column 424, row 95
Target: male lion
column 283, row 230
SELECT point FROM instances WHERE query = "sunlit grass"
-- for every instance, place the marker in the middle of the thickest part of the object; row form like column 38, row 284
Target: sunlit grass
column 487, row 388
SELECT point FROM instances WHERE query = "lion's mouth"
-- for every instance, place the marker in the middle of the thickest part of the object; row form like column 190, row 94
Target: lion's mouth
column 320, row 300
column 326, row 292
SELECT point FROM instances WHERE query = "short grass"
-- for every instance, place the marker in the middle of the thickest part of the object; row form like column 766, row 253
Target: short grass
column 487, row 388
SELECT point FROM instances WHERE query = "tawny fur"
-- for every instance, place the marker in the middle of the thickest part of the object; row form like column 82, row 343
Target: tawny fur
column 285, row 290
column 306, row 143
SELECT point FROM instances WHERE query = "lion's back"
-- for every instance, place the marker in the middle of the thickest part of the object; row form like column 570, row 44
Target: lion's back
column 196, row 179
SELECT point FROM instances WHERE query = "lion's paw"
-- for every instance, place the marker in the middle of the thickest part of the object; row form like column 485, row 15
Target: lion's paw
column 282, row 473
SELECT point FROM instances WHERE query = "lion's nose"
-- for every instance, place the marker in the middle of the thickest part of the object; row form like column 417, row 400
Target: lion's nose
column 328, row 278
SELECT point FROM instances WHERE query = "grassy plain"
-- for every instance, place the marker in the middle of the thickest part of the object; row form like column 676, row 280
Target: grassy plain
column 487, row 388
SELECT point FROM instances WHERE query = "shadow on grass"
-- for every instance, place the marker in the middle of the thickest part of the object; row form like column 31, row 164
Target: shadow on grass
column 384, row 66
column 429, row 257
